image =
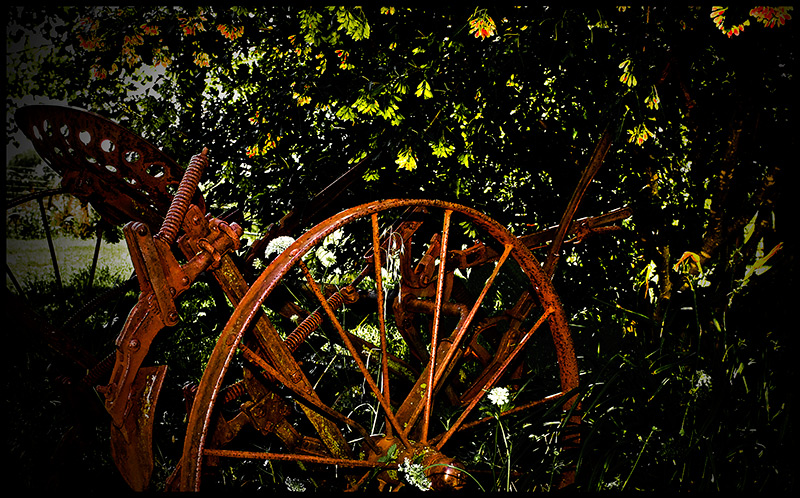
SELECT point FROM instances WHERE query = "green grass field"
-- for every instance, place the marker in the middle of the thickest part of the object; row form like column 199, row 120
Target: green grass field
column 30, row 260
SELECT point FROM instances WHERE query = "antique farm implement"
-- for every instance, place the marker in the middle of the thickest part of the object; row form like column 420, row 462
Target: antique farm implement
column 369, row 340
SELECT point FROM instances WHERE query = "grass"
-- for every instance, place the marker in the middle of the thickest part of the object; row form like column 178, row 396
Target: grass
column 57, row 434
column 29, row 260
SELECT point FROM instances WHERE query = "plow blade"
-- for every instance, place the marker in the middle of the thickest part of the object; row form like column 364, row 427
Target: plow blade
column 132, row 442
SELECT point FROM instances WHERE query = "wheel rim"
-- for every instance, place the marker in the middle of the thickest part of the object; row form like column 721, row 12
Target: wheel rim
column 479, row 341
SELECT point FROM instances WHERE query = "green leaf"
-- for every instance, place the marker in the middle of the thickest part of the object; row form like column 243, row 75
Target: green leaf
column 443, row 149
column 758, row 267
column 366, row 105
column 346, row 114
column 424, row 90
column 390, row 454
column 355, row 25
column 406, row 159
column 748, row 230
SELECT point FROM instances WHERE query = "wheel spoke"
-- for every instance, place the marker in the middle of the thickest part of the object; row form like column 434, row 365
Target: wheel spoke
column 494, row 377
column 460, row 333
column 426, row 417
column 464, row 326
column 314, row 320
column 376, row 251
column 314, row 402
column 353, row 352
column 297, row 457
column 475, row 423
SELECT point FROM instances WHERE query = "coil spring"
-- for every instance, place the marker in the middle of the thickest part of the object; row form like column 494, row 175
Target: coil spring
column 311, row 323
column 180, row 203
column 232, row 392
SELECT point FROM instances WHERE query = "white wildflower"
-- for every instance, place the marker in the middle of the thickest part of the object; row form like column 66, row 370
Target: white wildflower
column 295, row 484
column 415, row 475
column 702, row 385
column 613, row 484
column 278, row 245
column 703, row 380
column 326, row 257
column 499, row 396
column 334, row 238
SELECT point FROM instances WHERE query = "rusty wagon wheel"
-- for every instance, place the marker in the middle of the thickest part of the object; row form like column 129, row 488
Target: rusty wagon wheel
column 326, row 360
column 56, row 299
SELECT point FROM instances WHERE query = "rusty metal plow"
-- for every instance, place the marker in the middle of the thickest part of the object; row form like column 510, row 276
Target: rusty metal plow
column 370, row 341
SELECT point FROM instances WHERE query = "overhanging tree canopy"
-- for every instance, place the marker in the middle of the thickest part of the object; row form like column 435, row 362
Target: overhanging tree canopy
column 284, row 93
column 498, row 108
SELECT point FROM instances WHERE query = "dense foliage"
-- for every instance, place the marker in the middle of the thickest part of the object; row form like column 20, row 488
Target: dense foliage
column 682, row 322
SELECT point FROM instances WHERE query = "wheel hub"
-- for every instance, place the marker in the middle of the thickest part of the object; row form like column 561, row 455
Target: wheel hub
column 443, row 472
